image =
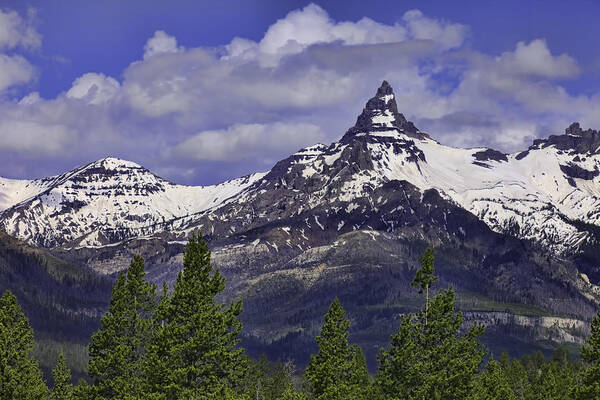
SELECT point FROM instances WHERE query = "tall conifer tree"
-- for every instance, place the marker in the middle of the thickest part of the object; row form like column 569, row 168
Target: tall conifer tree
column 63, row 389
column 428, row 357
column 194, row 353
column 117, row 350
column 20, row 376
column 492, row 384
column 589, row 387
column 333, row 372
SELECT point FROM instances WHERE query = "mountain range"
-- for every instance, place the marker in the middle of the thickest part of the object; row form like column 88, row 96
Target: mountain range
column 518, row 235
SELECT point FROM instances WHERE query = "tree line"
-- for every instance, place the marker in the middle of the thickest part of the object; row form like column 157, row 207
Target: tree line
column 182, row 344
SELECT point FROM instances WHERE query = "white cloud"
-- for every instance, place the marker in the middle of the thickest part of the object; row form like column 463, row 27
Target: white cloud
column 160, row 43
column 94, row 88
column 16, row 31
column 247, row 104
column 31, row 98
column 31, row 137
column 242, row 142
column 14, row 70
column 449, row 35
column 534, row 59
column 312, row 25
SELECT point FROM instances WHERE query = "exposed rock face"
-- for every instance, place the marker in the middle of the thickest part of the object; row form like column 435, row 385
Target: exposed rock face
column 575, row 140
column 490, row 155
column 349, row 219
column 381, row 115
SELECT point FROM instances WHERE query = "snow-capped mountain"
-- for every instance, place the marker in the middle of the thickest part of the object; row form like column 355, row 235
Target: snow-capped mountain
column 91, row 204
column 538, row 194
column 14, row 191
column 351, row 218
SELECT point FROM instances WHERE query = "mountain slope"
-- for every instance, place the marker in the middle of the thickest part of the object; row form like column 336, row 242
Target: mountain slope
column 92, row 204
column 516, row 234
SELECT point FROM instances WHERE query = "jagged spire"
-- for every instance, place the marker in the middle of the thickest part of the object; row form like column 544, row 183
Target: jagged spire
column 381, row 114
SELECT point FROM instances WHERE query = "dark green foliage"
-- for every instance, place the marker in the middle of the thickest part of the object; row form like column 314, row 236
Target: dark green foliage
column 183, row 345
column 492, row 384
column 20, row 376
column 82, row 391
column 62, row 301
column 428, row 357
column 76, row 354
column 361, row 379
column 63, row 389
column 517, row 378
column 589, row 388
column 117, row 350
column 336, row 371
column 268, row 381
column 193, row 353
column 424, row 277
column 533, row 378
column 291, row 394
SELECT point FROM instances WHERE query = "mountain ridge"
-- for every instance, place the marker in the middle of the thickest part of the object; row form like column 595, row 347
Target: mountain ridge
column 350, row 219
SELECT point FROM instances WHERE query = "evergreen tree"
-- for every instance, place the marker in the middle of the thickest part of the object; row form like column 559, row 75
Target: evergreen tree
column 193, row 352
column 361, row 378
column 20, row 376
column 518, row 380
column 82, row 391
column 589, row 387
column 492, row 384
column 331, row 372
column 428, row 357
column 117, row 350
column 280, row 380
column 556, row 382
column 291, row 394
column 424, row 277
column 63, row 389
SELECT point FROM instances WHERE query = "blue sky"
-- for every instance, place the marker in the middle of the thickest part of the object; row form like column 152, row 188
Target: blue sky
column 204, row 91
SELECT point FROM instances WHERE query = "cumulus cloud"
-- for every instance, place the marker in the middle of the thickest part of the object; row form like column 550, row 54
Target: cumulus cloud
column 241, row 142
column 14, row 70
column 534, row 59
column 160, row 43
column 28, row 136
column 449, row 35
column 94, row 88
column 200, row 115
column 312, row 25
column 17, row 31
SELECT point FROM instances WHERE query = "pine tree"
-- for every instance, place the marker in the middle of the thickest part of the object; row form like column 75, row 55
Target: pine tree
column 193, row 352
column 518, row 380
column 492, row 384
column 291, row 394
column 20, row 376
column 280, row 380
column 424, row 277
column 361, row 379
column 556, row 382
column 428, row 357
column 117, row 350
column 63, row 389
column 589, row 387
column 82, row 391
column 331, row 373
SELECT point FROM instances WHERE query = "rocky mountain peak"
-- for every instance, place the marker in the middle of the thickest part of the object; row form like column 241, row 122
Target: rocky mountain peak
column 574, row 129
column 381, row 114
column 575, row 140
column 385, row 89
